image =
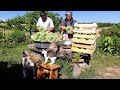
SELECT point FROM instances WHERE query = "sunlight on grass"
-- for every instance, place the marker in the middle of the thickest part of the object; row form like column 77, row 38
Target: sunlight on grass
column 12, row 55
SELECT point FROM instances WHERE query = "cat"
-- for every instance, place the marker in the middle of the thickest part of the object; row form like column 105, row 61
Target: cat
column 49, row 54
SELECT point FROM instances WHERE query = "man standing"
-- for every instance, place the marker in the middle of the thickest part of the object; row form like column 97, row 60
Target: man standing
column 45, row 21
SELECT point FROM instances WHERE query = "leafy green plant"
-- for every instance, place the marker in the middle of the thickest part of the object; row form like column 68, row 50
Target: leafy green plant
column 106, row 44
column 76, row 57
column 69, row 29
column 41, row 29
column 17, row 36
column 46, row 36
column 110, row 40
column 112, row 31
column 116, row 45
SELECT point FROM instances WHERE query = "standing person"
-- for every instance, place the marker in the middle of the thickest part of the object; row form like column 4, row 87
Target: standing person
column 69, row 21
column 45, row 21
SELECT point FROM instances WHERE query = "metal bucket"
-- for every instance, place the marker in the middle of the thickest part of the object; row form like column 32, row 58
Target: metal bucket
column 41, row 45
column 66, row 42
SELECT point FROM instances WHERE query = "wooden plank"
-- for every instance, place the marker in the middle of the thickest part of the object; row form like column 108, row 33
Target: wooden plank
column 89, row 28
column 93, row 48
column 84, row 28
column 77, row 61
column 85, row 31
column 84, row 36
column 75, row 49
column 86, row 25
column 86, row 51
column 84, row 41
column 84, row 46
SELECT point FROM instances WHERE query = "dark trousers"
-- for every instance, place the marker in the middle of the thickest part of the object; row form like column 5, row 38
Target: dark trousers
column 70, row 36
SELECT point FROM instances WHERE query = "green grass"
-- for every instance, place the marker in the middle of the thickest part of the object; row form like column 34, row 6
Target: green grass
column 99, row 62
column 87, row 73
column 66, row 68
column 12, row 55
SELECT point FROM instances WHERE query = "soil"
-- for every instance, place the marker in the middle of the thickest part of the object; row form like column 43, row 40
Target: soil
column 109, row 73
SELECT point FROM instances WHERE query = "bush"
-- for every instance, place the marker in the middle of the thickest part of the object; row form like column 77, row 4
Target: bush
column 17, row 36
column 1, row 34
column 19, row 27
column 105, row 44
column 112, row 46
column 116, row 42
column 109, row 45
column 104, row 24
column 113, row 31
column 29, row 40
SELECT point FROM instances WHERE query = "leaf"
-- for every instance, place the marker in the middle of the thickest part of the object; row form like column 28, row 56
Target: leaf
column 109, row 49
column 106, row 44
column 104, row 49
column 109, row 40
column 41, row 29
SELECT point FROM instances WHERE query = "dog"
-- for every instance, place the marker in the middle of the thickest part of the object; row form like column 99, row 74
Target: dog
column 28, row 65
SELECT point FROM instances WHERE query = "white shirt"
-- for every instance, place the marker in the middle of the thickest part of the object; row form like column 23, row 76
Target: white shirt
column 47, row 24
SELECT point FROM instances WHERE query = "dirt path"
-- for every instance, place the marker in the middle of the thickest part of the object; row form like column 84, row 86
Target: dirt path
column 98, row 32
column 109, row 73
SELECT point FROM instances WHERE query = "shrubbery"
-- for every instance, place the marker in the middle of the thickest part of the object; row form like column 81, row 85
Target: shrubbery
column 1, row 34
column 113, row 31
column 17, row 36
column 109, row 42
column 100, row 25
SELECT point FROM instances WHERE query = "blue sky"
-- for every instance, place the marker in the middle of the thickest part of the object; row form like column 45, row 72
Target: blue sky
column 80, row 16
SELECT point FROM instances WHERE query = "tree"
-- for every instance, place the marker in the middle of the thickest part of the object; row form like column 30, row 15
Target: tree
column 31, row 17
column 9, row 23
column 104, row 24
